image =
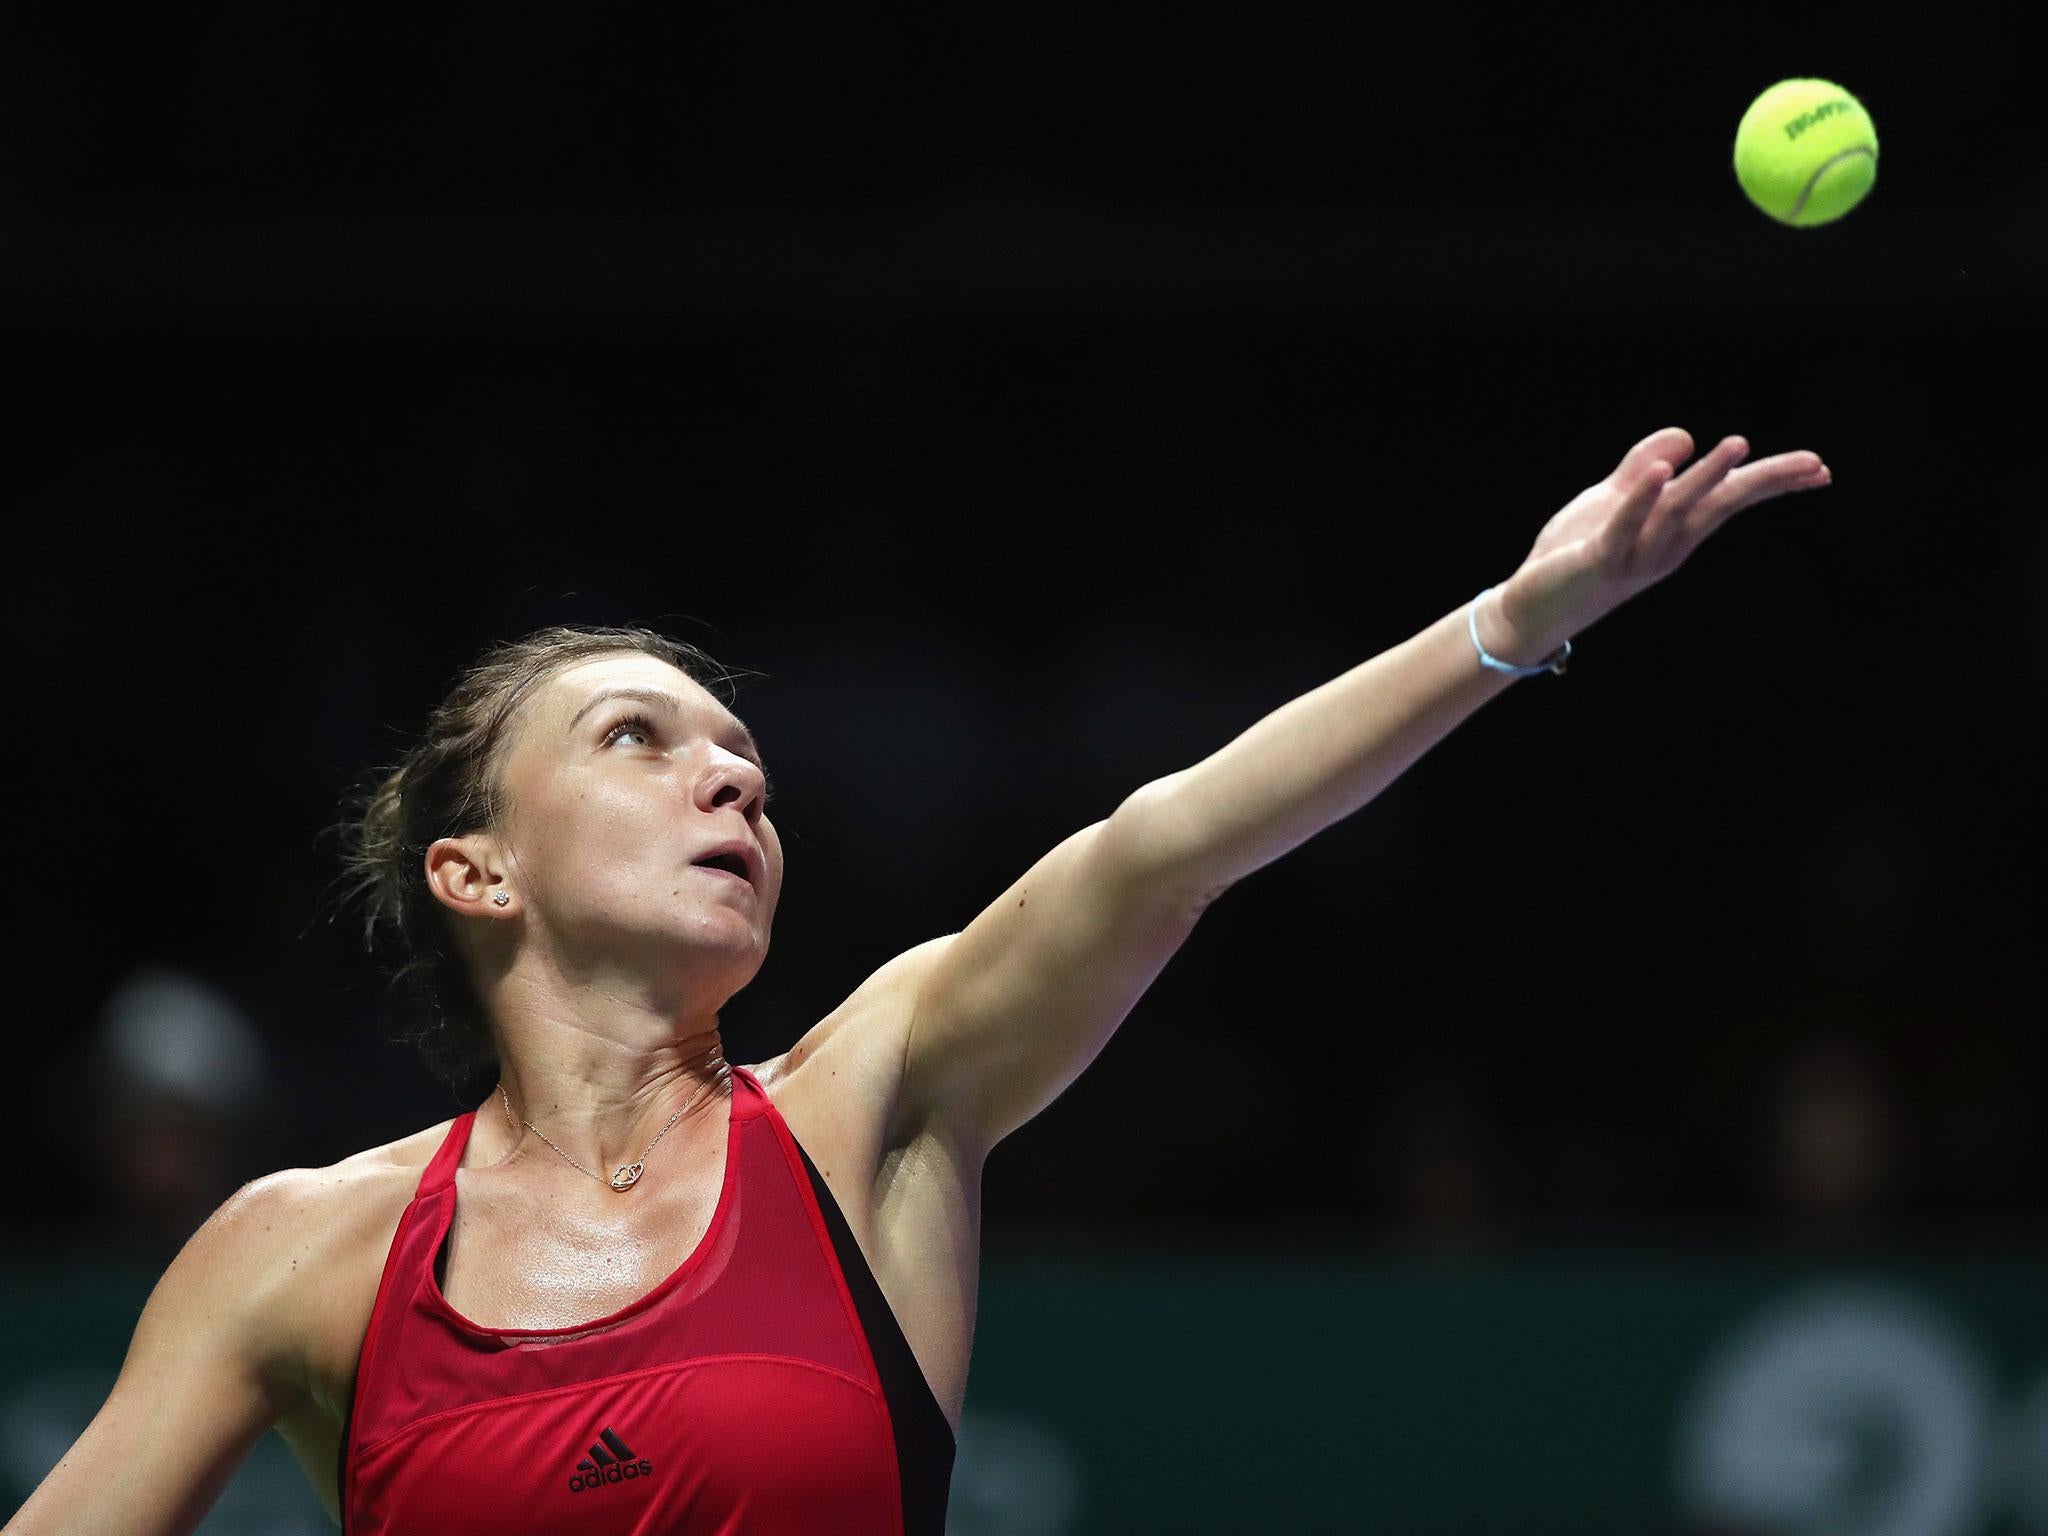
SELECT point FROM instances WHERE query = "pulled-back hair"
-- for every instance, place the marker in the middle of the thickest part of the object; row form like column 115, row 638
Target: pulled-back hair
column 447, row 785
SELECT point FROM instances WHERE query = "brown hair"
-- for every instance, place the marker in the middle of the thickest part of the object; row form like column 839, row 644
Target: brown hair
column 446, row 785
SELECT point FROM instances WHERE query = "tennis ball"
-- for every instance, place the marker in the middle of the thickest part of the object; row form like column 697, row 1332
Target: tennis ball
column 1805, row 152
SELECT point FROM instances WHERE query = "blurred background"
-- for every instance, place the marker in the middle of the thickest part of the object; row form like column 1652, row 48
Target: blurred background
column 1647, row 1132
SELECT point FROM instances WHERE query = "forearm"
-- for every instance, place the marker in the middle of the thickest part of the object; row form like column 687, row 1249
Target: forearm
column 1314, row 760
column 1317, row 759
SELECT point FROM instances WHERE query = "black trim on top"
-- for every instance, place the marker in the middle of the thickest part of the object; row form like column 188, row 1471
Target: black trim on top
column 924, row 1438
column 348, row 1419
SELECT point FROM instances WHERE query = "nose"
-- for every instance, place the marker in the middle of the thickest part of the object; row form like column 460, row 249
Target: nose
column 732, row 781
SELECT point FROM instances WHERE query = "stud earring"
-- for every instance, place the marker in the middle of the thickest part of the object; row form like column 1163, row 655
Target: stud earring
column 501, row 898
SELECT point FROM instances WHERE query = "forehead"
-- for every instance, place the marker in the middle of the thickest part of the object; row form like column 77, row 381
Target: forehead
column 560, row 697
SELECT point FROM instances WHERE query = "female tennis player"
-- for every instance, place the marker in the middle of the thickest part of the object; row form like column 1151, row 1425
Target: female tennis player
column 636, row 1290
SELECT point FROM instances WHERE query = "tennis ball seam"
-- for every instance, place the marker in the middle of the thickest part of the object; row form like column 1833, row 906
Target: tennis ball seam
column 1822, row 169
column 1789, row 127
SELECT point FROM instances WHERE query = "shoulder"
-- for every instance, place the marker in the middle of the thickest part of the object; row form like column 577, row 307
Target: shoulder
column 304, row 1212
column 840, row 1087
column 863, row 1039
column 300, row 1252
column 306, row 1209
column 229, row 1345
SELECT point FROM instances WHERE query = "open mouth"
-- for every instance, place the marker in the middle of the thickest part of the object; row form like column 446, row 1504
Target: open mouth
column 730, row 863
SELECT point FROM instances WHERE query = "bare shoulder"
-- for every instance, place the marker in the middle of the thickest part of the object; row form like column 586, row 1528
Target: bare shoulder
column 839, row 1091
column 298, row 1215
column 313, row 1213
column 235, row 1327
column 842, row 1076
column 330, row 1230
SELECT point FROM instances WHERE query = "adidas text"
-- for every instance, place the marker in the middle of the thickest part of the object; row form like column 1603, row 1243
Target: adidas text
column 617, row 1472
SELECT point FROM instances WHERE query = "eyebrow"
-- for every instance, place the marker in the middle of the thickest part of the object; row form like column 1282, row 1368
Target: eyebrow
column 660, row 700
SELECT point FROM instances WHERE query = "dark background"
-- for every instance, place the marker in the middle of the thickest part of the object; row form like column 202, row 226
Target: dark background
column 1032, row 403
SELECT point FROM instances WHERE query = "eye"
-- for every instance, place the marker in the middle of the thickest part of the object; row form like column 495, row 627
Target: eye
column 639, row 725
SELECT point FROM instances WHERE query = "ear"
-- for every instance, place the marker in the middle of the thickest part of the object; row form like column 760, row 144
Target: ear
column 464, row 874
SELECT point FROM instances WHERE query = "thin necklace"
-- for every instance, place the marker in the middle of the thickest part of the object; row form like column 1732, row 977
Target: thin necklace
column 629, row 1174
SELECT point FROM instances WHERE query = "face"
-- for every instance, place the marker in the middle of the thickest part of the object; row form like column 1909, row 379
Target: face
column 619, row 773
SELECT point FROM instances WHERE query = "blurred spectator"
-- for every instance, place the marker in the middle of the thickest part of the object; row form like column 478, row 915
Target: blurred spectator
column 174, row 1097
column 180, row 1087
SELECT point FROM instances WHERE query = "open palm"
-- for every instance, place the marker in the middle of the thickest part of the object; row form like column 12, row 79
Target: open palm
column 1636, row 527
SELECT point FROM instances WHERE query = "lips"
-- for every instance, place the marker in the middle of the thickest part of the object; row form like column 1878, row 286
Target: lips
column 734, row 857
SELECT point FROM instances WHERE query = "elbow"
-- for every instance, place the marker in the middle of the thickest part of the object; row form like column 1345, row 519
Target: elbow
column 1151, row 836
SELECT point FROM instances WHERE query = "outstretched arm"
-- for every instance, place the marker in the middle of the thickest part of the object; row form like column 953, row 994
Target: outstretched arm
column 1011, row 1009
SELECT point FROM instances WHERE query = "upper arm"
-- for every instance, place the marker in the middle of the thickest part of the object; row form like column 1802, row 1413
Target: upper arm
column 210, row 1368
column 1012, row 1008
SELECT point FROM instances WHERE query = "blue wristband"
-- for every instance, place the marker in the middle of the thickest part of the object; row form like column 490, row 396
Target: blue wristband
column 1554, row 662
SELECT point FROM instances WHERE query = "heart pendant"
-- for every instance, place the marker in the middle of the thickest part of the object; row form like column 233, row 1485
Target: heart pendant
column 627, row 1176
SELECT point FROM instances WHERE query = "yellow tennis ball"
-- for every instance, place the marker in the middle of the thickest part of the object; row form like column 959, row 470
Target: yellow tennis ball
column 1806, row 152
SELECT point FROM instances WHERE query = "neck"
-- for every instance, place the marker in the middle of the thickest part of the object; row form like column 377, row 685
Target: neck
column 597, row 1059
column 602, row 1107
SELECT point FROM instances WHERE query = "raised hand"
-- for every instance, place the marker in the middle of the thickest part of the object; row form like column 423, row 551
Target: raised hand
column 1630, row 531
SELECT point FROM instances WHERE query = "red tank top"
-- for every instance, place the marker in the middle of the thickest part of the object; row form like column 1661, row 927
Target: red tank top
column 763, row 1388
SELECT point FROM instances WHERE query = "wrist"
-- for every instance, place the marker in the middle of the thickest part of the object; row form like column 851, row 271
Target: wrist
column 1494, row 618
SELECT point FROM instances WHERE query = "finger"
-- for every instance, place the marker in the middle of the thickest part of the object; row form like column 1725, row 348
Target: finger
column 1777, row 475
column 1638, row 499
column 1695, row 482
column 1671, row 444
column 1667, row 520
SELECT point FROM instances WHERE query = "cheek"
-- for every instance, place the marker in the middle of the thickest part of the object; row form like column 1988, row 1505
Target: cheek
column 599, row 832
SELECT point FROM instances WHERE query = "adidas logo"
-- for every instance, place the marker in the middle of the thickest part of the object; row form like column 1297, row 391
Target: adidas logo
column 610, row 1460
